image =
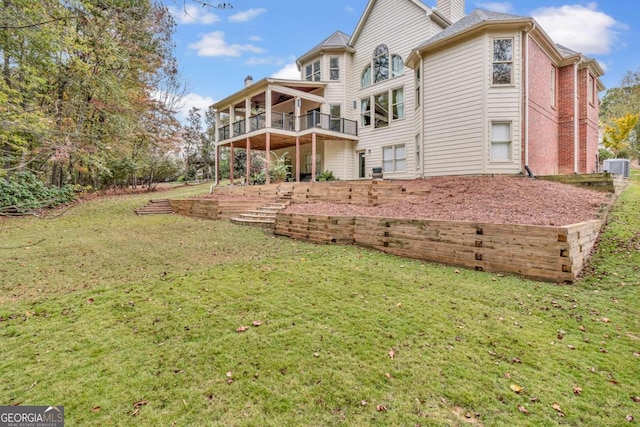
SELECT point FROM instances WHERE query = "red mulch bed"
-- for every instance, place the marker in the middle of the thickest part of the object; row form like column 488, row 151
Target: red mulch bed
column 503, row 200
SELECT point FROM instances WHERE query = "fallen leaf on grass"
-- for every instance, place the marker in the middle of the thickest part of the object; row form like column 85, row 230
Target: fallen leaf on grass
column 523, row 409
column 387, row 375
column 392, row 354
column 635, row 399
column 629, row 418
column 582, row 328
column 95, row 409
column 363, row 403
column 558, row 409
column 516, row 360
column 605, row 320
column 571, row 347
column 381, row 408
column 137, row 407
column 577, row 390
column 256, row 323
column 603, row 350
column 242, row 329
column 89, row 300
column 516, row 388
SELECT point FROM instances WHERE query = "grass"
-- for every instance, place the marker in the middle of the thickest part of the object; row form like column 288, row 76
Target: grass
column 132, row 320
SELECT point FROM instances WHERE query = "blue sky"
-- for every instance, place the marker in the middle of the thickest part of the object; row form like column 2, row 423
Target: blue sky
column 219, row 43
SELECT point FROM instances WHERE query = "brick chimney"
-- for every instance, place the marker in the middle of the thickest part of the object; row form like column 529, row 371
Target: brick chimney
column 453, row 10
column 248, row 81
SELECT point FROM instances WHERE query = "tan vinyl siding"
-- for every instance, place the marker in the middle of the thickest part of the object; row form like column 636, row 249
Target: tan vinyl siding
column 503, row 104
column 339, row 158
column 401, row 26
column 454, row 113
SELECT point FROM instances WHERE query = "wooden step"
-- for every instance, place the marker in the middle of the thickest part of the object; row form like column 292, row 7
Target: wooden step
column 156, row 207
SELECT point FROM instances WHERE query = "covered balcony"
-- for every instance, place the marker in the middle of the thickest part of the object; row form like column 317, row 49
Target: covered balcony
column 276, row 114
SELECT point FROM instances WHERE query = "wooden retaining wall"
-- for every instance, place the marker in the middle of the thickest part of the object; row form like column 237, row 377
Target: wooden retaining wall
column 593, row 181
column 215, row 209
column 364, row 193
column 555, row 254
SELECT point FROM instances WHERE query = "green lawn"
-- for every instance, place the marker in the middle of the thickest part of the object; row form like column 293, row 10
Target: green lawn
column 132, row 320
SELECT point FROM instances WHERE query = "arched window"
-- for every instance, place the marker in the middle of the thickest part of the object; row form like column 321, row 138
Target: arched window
column 397, row 66
column 365, row 79
column 381, row 63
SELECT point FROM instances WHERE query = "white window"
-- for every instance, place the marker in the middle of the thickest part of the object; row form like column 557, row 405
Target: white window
column 394, row 158
column 553, row 86
column 381, row 110
column 308, row 161
column 312, row 72
column 500, row 141
column 502, row 61
column 397, row 65
column 590, row 90
column 381, row 64
column 365, row 112
column 334, row 68
column 397, row 103
column 365, row 79
column 334, row 118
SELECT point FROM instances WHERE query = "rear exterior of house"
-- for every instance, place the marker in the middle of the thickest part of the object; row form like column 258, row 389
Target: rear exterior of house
column 419, row 92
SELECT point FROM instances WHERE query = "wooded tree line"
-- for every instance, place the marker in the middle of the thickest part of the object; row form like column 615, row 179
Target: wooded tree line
column 88, row 90
column 619, row 117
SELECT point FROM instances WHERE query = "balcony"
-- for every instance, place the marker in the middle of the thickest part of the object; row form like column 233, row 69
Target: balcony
column 282, row 129
column 324, row 121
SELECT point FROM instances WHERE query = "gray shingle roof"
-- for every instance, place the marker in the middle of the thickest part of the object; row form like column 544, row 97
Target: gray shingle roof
column 474, row 18
column 335, row 40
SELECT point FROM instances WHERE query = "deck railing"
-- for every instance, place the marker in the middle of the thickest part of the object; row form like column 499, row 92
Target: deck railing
column 285, row 121
column 240, row 127
column 315, row 119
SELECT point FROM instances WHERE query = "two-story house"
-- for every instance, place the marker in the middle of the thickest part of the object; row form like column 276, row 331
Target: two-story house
column 420, row 91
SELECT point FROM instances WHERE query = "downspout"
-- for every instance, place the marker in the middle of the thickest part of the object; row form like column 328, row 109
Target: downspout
column 526, row 95
column 421, row 113
column 576, row 141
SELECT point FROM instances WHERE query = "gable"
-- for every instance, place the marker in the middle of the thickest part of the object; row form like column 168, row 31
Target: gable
column 373, row 4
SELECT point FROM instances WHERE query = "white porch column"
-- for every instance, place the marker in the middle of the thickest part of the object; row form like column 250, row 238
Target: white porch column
column 267, row 108
column 232, row 118
column 247, row 114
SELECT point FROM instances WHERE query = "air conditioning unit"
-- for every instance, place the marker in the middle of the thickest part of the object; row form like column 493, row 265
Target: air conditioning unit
column 617, row 167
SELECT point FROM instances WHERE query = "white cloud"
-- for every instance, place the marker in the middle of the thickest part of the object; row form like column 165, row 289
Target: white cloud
column 191, row 100
column 581, row 28
column 213, row 44
column 270, row 60
column 348, row 9
column 247, row 15
column 502, row 7
column 256, row 38
column 191, row 14
column 289, row 71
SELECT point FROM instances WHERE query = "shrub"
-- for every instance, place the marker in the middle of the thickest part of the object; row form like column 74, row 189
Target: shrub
column 327, row 176
column 23, row 192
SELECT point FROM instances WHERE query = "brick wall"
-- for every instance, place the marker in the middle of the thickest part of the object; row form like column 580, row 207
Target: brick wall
column 543, row 117
column 588, row 121
column 566, row 104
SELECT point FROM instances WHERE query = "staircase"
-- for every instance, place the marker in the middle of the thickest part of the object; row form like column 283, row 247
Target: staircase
column 155, row 207
column 264, row 216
